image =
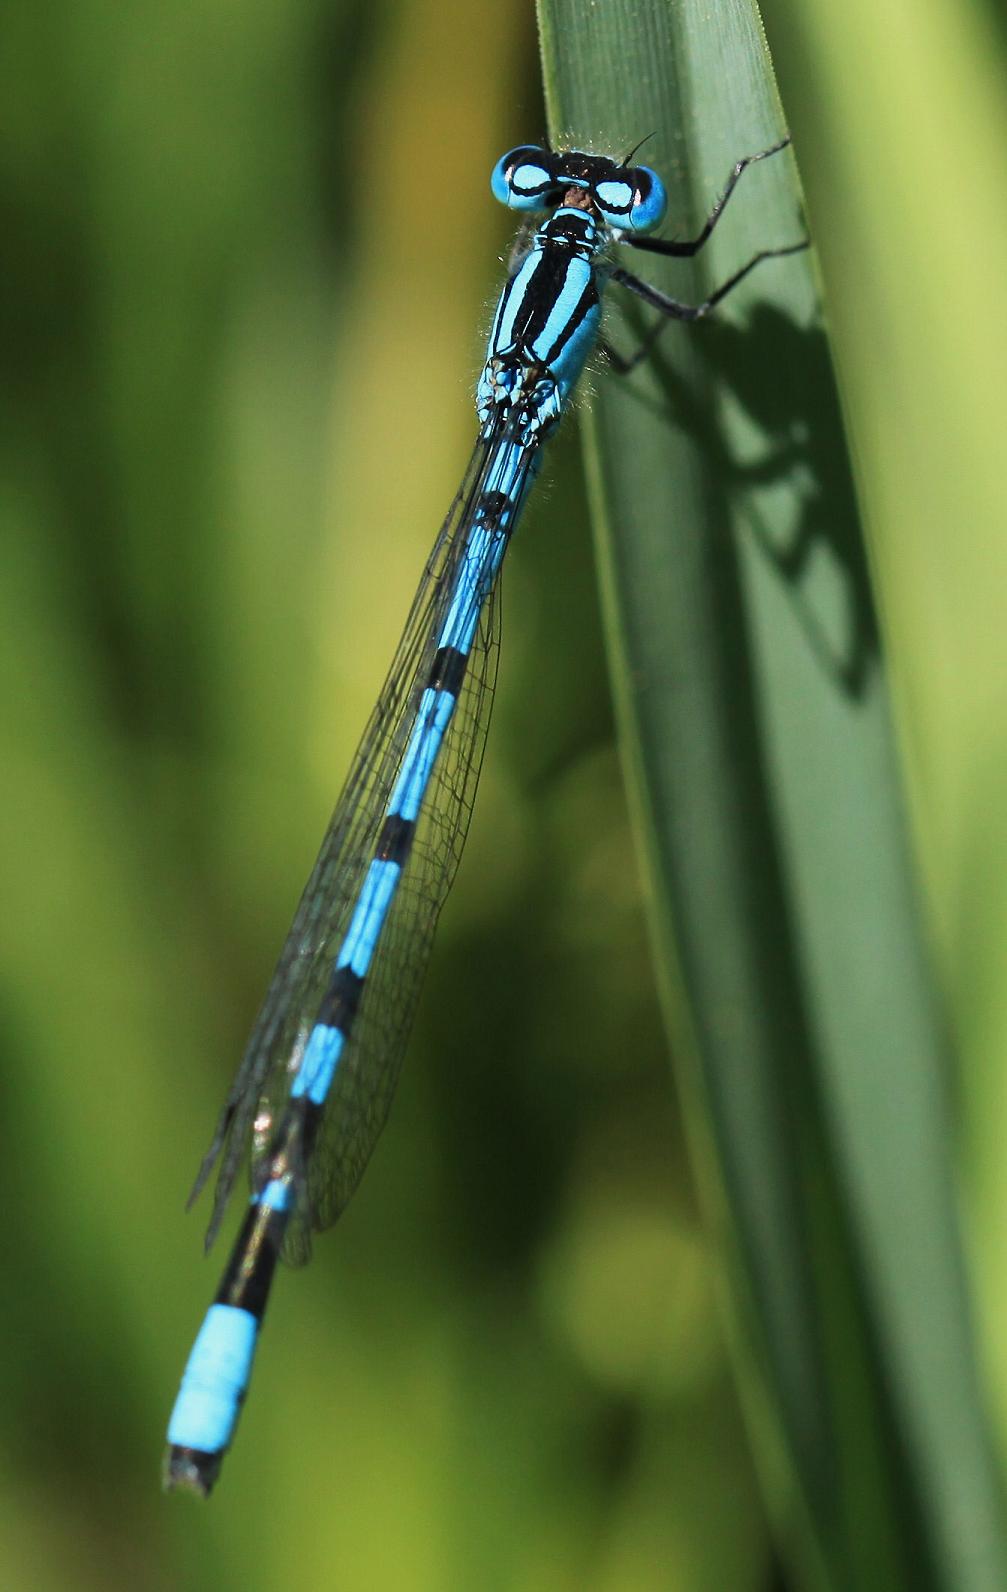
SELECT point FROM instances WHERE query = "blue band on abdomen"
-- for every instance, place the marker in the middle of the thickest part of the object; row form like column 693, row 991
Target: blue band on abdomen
column 214, row 1380
column 278, row 1194
column 373, row 902
column 470, row 590
column 433, row 718
column 318, row 1064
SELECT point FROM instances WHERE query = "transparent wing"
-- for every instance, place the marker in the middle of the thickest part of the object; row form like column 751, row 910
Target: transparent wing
column 368, row 1070
column 369, row 1066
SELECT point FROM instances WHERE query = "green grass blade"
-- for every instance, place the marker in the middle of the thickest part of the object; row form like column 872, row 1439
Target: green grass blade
column 750, row 687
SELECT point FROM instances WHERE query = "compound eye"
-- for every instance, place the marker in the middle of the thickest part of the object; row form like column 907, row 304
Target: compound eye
column 524, row 179
column 650, row 201
column 633, row 201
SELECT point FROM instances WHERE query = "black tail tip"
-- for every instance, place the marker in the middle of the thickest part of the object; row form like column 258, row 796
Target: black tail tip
column 190, row 1470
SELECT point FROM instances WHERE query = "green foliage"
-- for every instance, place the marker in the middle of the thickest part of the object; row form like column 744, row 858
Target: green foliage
column 753, row 696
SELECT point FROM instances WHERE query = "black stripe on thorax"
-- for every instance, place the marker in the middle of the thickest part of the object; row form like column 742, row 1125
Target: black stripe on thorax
column 543, row 292
column 587, row 301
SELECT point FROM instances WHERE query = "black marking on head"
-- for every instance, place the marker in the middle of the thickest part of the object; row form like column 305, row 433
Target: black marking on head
column 572, row 227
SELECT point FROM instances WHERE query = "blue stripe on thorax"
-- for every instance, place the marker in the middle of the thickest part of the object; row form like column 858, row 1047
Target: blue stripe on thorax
column 576, row 281
column 514, row 294
column 569, row 364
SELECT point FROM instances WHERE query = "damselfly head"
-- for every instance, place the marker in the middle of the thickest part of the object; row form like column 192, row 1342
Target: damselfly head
column 627, row 198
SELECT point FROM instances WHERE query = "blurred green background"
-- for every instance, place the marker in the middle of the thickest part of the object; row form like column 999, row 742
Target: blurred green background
column 251, row 259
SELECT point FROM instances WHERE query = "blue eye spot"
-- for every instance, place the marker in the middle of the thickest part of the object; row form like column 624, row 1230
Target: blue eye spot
column 522, row 179
column 650, row 202
column 615, row 198
column 529, row 181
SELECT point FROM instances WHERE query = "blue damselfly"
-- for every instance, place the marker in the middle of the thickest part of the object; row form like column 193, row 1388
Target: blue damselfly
column 315, row 1085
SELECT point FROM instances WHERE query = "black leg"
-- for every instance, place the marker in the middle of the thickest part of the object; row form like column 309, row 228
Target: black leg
column 692, row 246
column 694, row 312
